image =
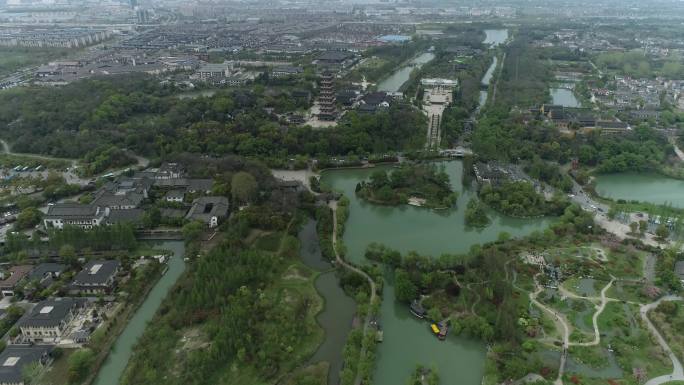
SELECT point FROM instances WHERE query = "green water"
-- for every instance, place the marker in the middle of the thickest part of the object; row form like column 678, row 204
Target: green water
column 408, row 228
column 407, row 341
column 397, row 79
column 644, row 187
column 336, row 318
column 564, row 97
column 116, row 362
column 495, row 37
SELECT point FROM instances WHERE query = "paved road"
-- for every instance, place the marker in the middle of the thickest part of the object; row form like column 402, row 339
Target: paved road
column 600, row 210
column 678, row 372
column 678, row 151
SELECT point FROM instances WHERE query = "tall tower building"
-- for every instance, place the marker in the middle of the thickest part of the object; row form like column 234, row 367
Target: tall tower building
column 326, row 97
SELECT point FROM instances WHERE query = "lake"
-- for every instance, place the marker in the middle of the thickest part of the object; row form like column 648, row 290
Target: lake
column 644, row 187
column 495, row 36
column 564, row 97
column 407, row 340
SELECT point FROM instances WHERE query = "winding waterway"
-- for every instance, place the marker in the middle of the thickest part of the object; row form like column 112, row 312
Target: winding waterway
column 397, row 79
column 643, row 187
column 407, row 341
column 115, row 364
column 338, row 313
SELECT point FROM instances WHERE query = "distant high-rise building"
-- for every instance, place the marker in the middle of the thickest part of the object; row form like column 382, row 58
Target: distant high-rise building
column 326, row 97
column 143, row 15
column 133, row 3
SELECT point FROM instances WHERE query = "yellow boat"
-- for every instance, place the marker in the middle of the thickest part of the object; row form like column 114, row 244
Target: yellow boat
column 434, row 328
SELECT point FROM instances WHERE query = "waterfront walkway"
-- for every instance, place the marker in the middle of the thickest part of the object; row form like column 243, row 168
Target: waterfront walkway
column 373, row 295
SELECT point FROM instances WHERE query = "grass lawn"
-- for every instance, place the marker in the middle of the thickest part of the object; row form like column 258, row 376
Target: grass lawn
column 59, row 370
column 14, row 58
column 671, row 328
column 269, row 242
column 633, row 344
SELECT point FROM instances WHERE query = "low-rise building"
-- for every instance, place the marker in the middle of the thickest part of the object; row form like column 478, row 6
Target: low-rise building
column 176, row 195
column 49, row 319
column 286, row 71
column 16, row 358
column 96, row 277
column 46, row 273
column 613, row 127
column 117, row 201
column 74, row 214
column 208, row 210
column 14, row 275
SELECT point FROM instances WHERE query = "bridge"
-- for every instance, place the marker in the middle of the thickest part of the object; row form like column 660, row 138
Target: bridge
column 458, row 152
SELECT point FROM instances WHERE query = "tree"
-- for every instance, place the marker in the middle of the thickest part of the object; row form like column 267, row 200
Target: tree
column 633, row 227
column 152, row 218
column 662, row 232
column 404, row 290
column 79, row 364
column 28, row 218
column 68, row 254
column 243, row 187
column 192, row 231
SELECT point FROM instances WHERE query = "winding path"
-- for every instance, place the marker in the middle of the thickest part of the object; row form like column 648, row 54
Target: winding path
column 373, row 296
column 564, row 324
column 6, row 149
column 678, row 371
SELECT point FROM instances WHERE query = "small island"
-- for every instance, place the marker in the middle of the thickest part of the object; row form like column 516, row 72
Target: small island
column 422, row 185
column 476, row 214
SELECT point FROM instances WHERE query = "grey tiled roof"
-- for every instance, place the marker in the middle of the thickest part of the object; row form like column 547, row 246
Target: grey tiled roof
column 71, row 210
column 50, row 313
column 14, row 358
column 92, row 275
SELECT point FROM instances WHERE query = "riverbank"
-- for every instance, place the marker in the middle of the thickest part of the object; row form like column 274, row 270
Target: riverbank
column 116, row 357
column 337, row 312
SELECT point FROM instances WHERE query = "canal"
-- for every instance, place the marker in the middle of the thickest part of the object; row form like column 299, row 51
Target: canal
column 643, row 187
column 407, row 341
column 115, row 364
column 397, row 79
column 493, row 38
column 338, row 313
column 486, row 79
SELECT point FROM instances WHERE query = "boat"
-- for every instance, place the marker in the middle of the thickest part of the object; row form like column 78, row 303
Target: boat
column 417, row 309
column 443, row 330
column 379, row 336
column 434, row 328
